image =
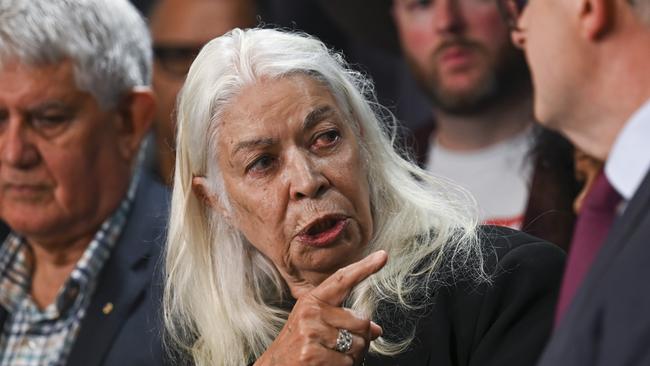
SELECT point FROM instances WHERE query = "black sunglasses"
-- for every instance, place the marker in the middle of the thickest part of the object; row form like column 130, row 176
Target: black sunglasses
column 176, row 59
column 511, row 10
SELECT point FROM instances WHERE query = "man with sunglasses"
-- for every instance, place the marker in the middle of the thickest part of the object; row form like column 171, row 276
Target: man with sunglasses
column 179, row 29
column 589, row 62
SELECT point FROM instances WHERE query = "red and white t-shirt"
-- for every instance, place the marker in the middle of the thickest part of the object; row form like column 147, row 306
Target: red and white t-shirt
column 499, row 176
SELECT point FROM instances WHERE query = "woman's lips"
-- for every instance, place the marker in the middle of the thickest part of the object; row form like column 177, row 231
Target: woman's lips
column 325, row 237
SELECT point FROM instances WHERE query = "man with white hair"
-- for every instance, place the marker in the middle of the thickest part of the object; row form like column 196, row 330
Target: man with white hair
column 589, row 61
column 76, row 270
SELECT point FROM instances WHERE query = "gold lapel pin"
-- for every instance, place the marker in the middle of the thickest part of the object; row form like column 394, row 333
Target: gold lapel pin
column 107, row 308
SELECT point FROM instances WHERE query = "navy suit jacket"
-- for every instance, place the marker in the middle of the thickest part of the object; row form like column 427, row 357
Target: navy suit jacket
column 122, row 325
column 608, row 322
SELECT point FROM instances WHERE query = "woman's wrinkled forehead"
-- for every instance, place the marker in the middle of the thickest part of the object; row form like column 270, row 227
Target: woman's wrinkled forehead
column 304, row 77
column 262, row 98
column 269, row 104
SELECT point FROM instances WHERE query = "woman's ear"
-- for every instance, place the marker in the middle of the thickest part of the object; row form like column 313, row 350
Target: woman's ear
column 203, row 192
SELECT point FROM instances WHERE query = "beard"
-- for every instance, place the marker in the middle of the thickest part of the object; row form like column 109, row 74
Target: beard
column 499, row 77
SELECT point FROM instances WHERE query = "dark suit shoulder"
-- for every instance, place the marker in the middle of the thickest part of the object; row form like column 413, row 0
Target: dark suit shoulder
column 122, row 325
column 507, row 249
column 517, row 306
column 607, row 322
column 504, row 321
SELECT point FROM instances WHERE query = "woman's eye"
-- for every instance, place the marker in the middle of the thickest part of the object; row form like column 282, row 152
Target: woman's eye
column 327, row 139
column 261, row 164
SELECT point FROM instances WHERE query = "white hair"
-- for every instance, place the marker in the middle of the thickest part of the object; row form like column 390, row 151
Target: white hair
column 223, row 298
column 107, row 41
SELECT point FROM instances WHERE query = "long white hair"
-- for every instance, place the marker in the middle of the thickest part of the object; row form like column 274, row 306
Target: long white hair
column 222, row 301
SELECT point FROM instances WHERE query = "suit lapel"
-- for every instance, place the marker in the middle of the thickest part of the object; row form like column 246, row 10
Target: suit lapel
column 617, row 239
column 123, row 281
column 636, row 210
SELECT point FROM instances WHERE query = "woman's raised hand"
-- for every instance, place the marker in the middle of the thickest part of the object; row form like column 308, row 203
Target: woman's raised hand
column 310, row 335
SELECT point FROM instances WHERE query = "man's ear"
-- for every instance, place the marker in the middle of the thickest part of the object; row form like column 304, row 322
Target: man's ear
column 596, row 17
column 136, row 115
column 203, row 192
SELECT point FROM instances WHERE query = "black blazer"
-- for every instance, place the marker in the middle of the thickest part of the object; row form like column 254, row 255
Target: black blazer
column 608, row 322
column 505, row 323
column 122, row 323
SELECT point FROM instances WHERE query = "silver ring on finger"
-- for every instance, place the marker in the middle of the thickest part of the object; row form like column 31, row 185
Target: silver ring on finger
column 343, row 341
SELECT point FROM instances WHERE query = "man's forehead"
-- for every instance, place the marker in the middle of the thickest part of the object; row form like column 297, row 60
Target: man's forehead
column 175, row 21
column 27, row 84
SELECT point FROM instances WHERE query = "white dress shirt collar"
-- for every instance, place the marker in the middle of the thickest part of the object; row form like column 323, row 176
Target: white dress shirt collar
column 629, row 160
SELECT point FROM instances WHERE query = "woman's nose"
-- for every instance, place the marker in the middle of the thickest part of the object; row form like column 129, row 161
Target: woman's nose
column 305, row 179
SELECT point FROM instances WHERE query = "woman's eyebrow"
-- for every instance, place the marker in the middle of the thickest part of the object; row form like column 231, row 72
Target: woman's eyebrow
column 313, row 117
column 253, row 143
column 317, row 115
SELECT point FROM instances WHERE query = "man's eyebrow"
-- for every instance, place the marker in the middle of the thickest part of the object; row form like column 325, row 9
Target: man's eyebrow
column 55, row 104
column 253, row 143
column 317, row 115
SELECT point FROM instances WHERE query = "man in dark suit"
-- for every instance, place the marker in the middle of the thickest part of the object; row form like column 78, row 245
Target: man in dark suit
column 589, row 61
column 179, row 29
column 77, row 269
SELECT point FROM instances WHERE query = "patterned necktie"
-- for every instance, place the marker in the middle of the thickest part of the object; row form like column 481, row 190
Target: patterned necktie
column 594, row 221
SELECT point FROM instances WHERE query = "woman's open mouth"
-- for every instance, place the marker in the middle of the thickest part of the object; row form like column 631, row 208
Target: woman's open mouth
column 323, row 231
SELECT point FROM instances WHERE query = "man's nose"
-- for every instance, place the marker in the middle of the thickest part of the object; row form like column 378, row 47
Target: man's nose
column 16, row 149
column 305, row 178
column 447, row 17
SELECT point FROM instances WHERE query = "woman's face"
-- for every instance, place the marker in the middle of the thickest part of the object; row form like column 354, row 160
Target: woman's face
column 292, row 170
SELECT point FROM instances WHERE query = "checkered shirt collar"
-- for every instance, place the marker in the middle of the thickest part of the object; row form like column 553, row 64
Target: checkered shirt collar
column 16, row 270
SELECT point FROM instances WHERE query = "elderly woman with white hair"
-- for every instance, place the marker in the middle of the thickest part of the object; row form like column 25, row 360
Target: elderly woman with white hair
column 299, row 236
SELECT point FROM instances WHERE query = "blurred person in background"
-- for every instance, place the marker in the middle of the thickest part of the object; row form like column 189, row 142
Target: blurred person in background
column 179, row 29
column 589, row 64
column 77, row 269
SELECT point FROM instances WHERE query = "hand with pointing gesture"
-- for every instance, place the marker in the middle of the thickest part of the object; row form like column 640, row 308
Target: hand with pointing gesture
column 310, row 335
